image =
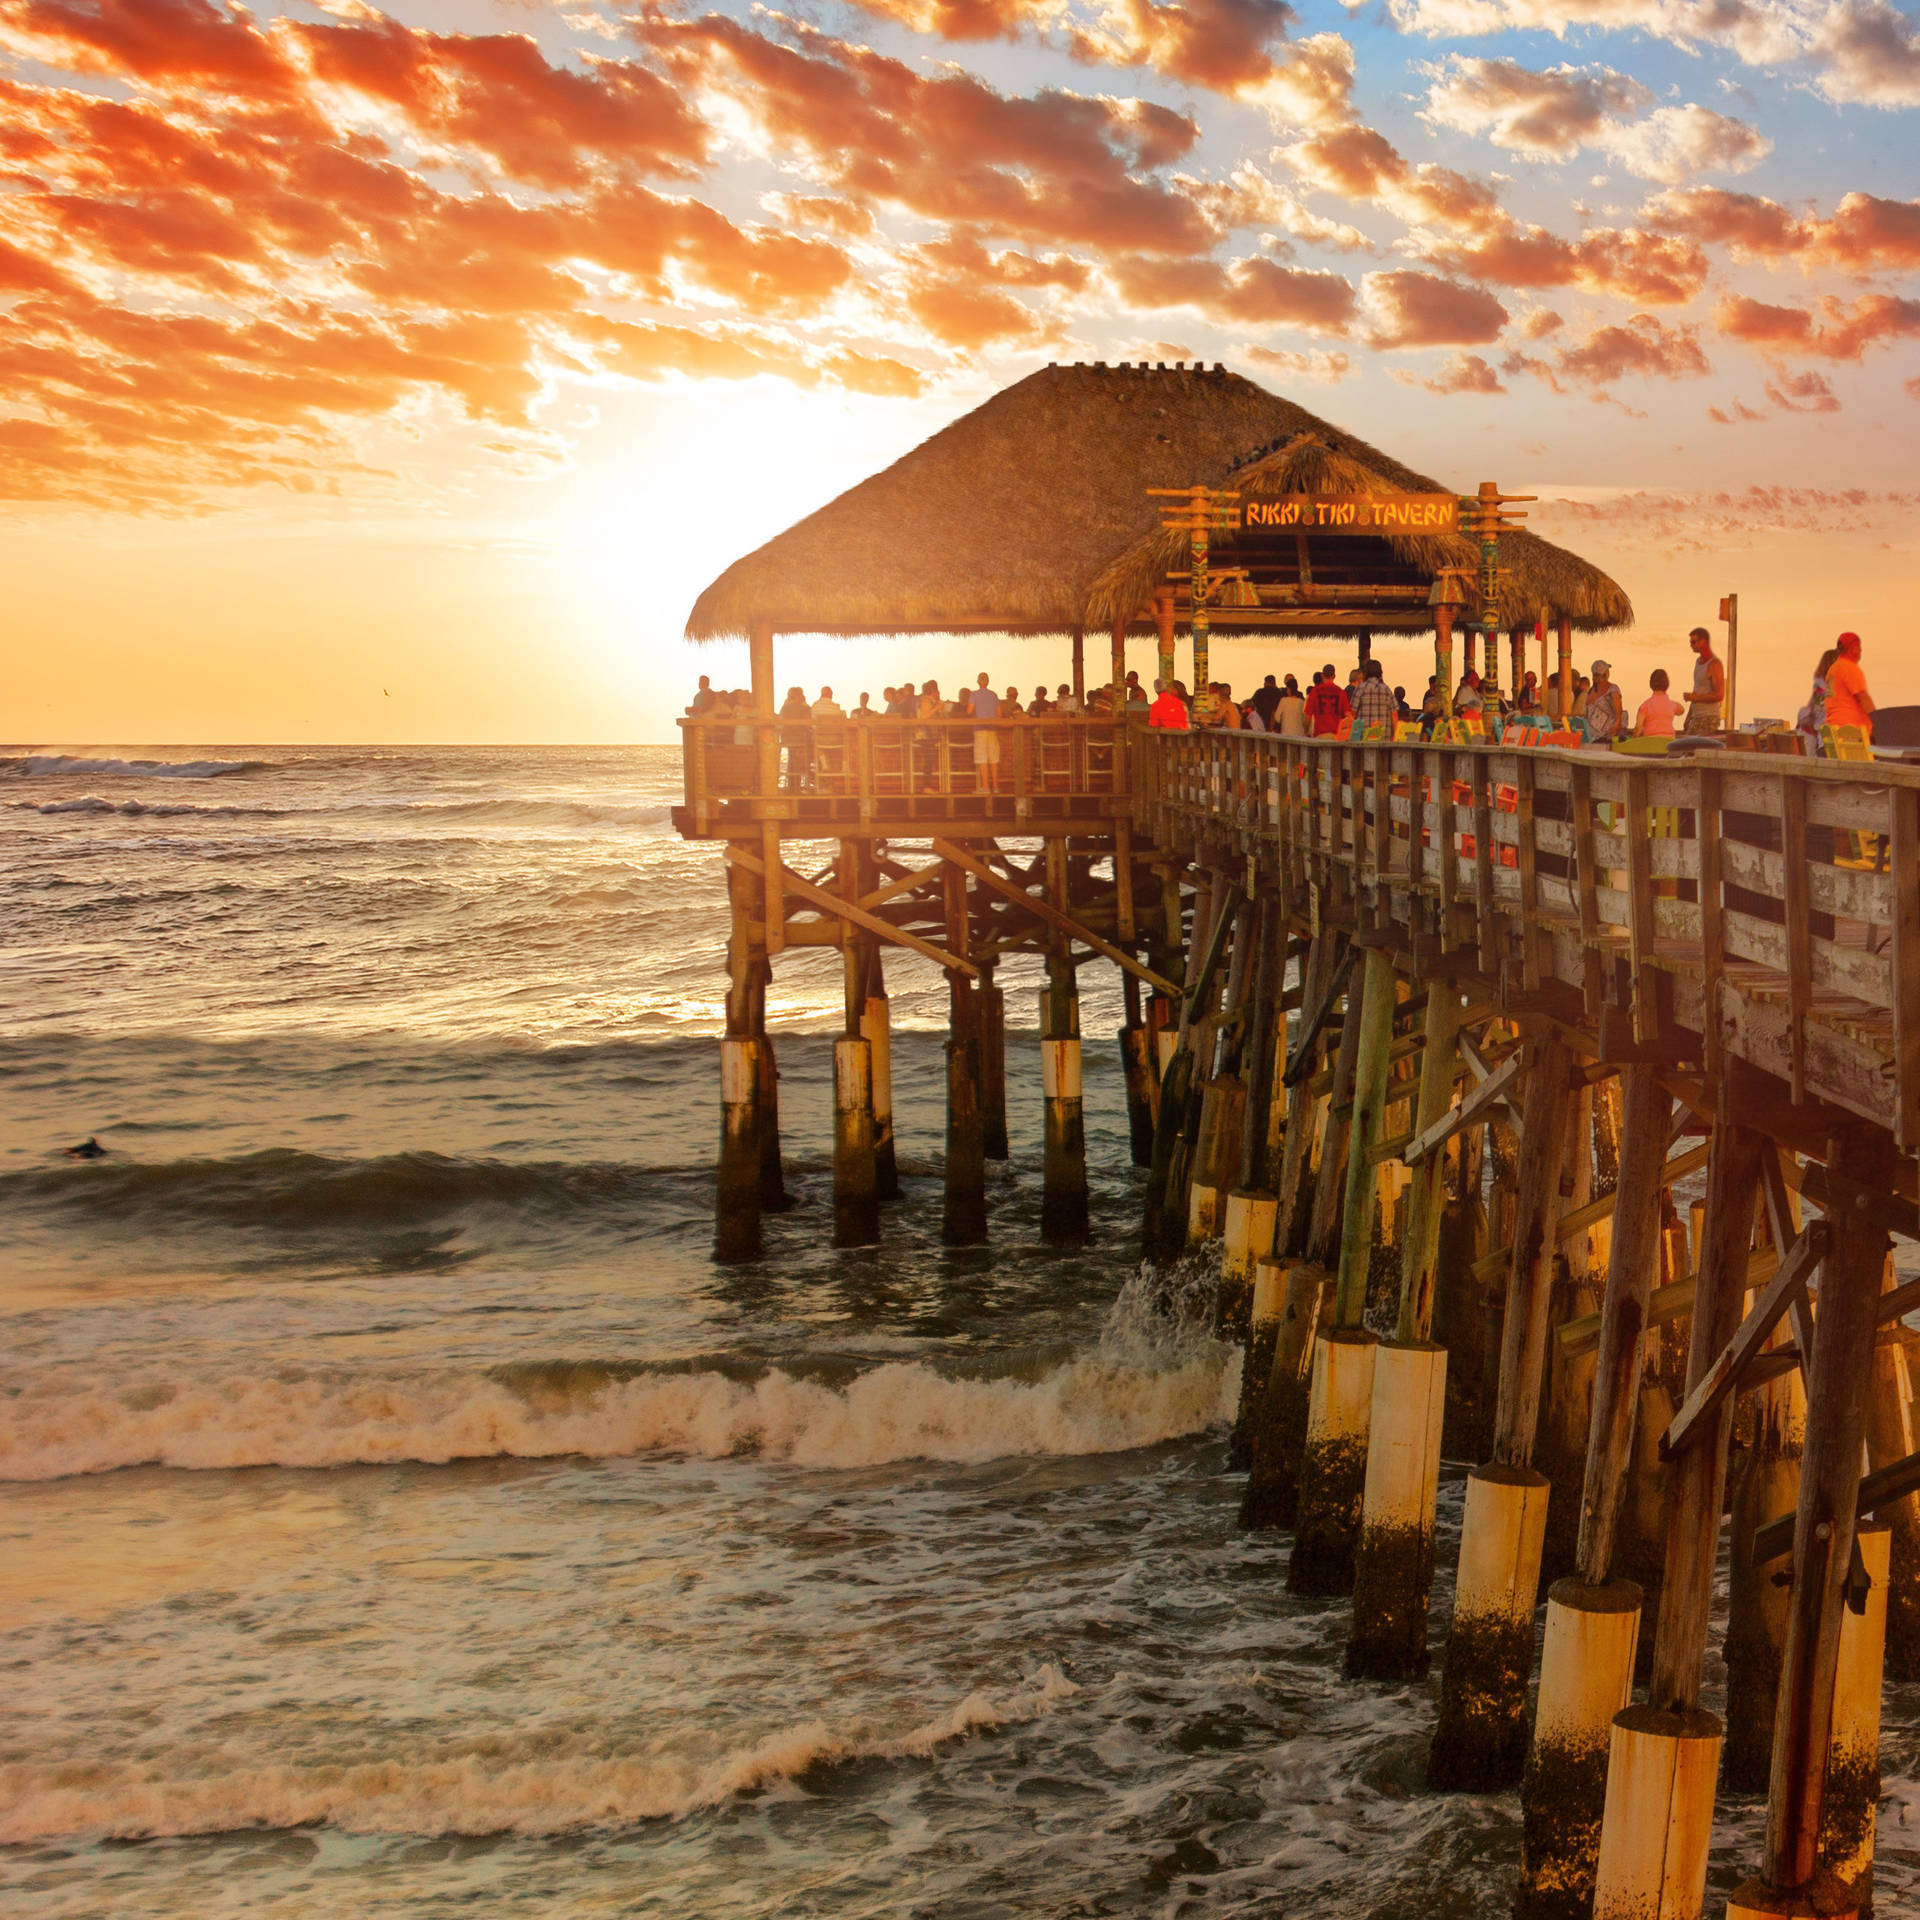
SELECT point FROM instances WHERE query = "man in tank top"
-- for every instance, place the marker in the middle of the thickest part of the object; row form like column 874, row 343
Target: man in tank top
column 1709, row 684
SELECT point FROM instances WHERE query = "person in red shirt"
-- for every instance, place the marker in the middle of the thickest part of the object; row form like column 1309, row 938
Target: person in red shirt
column 1849, row 704
column 1169, row 708
column 1327, row 705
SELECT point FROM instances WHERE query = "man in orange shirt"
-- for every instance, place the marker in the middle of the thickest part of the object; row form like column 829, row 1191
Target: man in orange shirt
column 1849, row 704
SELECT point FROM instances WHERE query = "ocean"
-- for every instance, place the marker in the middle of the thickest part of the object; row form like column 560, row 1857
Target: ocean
column 401, row 1515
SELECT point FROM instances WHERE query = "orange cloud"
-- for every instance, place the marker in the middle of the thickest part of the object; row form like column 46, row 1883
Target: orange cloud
column 1247, row 292
column 1464, row 373
column 1056, row 167
column 1831, row 331
column 1420, row 310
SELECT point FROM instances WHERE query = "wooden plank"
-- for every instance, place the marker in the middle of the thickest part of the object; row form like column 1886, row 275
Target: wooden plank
column 1473, row 1109
column 1799, row 930
column 1723, row 1375
column 1579, row 1219
column 1487, row 932
column 1529, row 879
column 1712, row 953
column 1640, row 925
column 846, row 910
column 1904, row 892
column 1586, row 885
column 1051, row 915
column 1312, row 1027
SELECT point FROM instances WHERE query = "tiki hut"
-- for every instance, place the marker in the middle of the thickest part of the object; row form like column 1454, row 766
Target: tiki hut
column 1026, row 512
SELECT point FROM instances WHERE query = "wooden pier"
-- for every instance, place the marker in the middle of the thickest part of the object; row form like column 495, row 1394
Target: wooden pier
column 1346, row 961
column 1421, row 1041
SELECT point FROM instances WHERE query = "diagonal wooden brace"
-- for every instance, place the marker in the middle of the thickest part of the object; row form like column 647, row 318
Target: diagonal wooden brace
column 1045, row 910
column 846, row 910
column 1489, row 1093
column 1723, row 1376
column 1311, row 1027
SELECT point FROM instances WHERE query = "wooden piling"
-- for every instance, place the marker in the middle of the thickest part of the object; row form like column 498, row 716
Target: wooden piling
column 964, row 1216
column 1672, row 1740
column 736, row 1220
column 1333, row 1461
column 1480, row 1741
column 1393, row 1564
column 990, row 1014
column 1860, row 1161
column 1063, row 1205
column 876, row 1028
column 1891, row 1428
column 1593, row 1618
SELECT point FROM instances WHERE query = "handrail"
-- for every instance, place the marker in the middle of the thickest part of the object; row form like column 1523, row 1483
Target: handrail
column 1759, row 902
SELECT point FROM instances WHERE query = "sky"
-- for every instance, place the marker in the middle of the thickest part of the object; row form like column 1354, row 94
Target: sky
column 402, row 374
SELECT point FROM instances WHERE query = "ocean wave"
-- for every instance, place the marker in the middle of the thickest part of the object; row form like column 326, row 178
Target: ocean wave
column 1116, row 1398
column 283, row 1190
column 511, row 813
column 503, row 1786
column 58, row 765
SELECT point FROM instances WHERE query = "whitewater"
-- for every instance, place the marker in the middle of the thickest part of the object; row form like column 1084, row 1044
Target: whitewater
column 402, row 1515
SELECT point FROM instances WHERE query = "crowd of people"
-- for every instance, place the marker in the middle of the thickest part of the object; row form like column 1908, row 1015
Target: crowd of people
column 1362, row 705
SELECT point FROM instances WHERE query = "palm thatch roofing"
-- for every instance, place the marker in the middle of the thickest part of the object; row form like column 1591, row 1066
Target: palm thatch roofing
column 1008, row 519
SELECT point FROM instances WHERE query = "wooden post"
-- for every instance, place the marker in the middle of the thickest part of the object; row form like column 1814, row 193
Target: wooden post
column 964, row 1219
column 1139, row 1069
column 736, row 1218
column 1645, row 1114
column 1063, row 1204
column 1890, row 1437
column 1480, row 1741
column 1420, row 1256
column 856, row 1186
column 991, row 1017
column 1080, row 664
column 1393, row 1563
column 1369, row 1112
column 1163, row 631
column 1333, row 1454
column 1593, row 1619
column 1663, row 1755
column 1563, row 704
column 876, row 1028
column 1860, row 1160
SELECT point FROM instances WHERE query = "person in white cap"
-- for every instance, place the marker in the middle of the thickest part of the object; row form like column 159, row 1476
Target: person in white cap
column 1606, row 712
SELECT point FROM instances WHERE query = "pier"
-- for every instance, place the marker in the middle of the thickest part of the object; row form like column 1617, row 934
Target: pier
column 1421, row 1039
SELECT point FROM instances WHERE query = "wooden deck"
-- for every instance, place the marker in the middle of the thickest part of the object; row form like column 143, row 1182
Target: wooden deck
column 1750, row 905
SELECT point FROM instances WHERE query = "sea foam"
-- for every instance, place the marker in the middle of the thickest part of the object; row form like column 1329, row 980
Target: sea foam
column 1101, row 1402
column 490, row 1789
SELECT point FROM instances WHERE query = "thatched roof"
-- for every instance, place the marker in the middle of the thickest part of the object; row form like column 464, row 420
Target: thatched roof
column 1006, row 519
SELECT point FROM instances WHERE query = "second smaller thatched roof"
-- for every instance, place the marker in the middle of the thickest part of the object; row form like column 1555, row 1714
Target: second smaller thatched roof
column 1535, row 572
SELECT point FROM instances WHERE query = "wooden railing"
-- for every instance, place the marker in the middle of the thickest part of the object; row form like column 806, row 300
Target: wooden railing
column 1766, row 905
column 878, row 768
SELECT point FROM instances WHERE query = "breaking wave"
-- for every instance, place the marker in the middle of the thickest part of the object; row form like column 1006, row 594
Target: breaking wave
column 56, row 765
column 504, row 813
column 1120, row 1396
column 287, row 1191
column 504, row 1786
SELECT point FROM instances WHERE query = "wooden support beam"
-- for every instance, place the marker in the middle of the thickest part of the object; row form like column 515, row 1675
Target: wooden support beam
column 846, row 910
column 1050, row 915
column 1581, row 1218
column 1838, row 1386
column 1881, row 1488
column 1697, row 1490
column 1471, row 1110
column 1530, row 1259
column 1313, row 1025
column 1723, row 1374
column 1620, row 1326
